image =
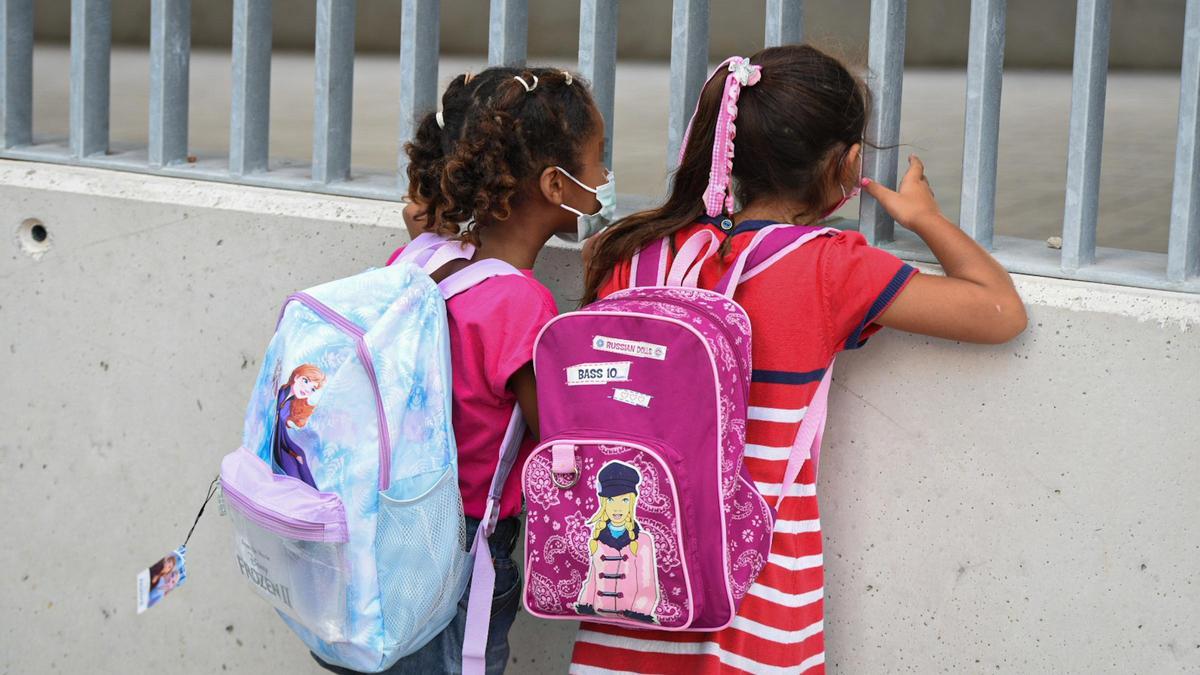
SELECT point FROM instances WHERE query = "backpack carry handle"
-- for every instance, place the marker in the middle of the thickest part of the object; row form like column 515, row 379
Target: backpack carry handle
column 685, row 269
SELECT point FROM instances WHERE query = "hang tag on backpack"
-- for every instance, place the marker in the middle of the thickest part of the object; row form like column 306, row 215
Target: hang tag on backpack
column 169, row 572
column 160, row 578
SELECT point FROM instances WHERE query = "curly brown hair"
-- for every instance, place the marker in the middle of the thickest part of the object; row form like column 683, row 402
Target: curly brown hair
column 497, row 138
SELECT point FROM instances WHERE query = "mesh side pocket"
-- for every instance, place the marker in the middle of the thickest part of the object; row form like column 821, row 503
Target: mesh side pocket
column 420, row 542
column 304, row 579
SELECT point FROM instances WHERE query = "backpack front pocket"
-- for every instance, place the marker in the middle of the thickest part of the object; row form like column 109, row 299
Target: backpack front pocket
column 605, row 536
column 290, row 543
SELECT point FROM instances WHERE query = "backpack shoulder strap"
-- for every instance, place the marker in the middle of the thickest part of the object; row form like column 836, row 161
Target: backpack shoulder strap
column 770, row 245
column 649, row 265
column 474, row 274
column 807, row 444
column 483, row 573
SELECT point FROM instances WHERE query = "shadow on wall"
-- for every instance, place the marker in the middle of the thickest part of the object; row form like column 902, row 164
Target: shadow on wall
column 1039, row 34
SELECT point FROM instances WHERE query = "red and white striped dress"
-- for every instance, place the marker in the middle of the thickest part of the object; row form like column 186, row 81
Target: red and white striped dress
column 816, row 302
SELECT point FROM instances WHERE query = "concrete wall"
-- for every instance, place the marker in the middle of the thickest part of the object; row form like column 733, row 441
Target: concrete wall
column 1040, row 34
column 1029, row 507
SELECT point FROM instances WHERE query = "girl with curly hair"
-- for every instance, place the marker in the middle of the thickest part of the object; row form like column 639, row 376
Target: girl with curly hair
column 513, row 158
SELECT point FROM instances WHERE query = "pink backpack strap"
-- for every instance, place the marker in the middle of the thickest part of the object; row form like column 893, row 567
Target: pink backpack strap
column 483, row 573
column 770, row 245
column 807, row 444
column 649, row 264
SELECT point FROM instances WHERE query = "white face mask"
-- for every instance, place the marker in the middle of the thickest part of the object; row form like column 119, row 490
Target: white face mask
column 588, row 224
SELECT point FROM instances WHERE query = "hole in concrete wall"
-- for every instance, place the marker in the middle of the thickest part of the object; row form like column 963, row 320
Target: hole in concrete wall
column 33, row 237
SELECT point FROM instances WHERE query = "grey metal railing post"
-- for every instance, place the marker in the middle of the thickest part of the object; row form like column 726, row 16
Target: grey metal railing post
column 598, row 60
column 16, row 73
column 689, row 67
column 91, row 43
column 418, row 70
column 985, row 72
column 170, row 54
column 1183, row 249
column 508, row 32
column 785, row 22
column 885, row 61
column 250, row 117
column 1086, row 138
column 333, row 93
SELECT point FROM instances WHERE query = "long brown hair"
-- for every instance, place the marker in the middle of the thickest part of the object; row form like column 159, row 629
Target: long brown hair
column 798, row 121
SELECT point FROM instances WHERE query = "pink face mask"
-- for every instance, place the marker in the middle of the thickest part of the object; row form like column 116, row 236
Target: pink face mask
column 846, row 196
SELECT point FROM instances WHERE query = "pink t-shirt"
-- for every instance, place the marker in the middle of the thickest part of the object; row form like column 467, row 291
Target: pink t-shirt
column 492, row 329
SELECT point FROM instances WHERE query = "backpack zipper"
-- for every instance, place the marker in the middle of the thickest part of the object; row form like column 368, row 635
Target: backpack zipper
column 283, row 525
column 364, row 356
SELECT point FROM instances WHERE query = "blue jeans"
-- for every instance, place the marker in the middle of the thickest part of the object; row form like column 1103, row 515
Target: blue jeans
column 443, row 654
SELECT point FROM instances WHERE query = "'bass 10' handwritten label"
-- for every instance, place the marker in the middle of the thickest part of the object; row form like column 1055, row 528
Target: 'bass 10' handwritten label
column 598, row 373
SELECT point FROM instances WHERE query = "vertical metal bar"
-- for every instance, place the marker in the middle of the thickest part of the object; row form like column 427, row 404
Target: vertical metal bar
column 885, row 60
column 985, row 71
column 1086, row 137
column 250, row 121
column 91, row 43
column 16, row 72
column 785, row 22
column 689, row 68
column 418, row 69
column 508, row 32
column 598, row 60
column 170, row 53
column 334, row 90
column 1183, row 250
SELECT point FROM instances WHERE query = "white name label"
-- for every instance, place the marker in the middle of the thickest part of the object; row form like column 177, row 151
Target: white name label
column 632, row 397
column 598, row 373
column 645, row 350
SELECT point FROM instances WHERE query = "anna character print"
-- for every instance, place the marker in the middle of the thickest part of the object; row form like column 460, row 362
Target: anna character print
column 622, row 575
column 294, row 404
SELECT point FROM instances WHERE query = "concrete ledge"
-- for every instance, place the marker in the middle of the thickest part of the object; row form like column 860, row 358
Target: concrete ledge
column 1027, row 507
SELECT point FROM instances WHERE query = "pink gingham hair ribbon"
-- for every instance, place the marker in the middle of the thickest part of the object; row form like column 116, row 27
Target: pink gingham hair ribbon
column 718, row 196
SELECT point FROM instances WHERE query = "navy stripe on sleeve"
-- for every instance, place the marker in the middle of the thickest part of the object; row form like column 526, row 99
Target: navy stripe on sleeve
column 885, row 298
column 786, row 376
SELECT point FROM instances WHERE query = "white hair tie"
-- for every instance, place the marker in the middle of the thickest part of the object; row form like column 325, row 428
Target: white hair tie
column 441, row 121
column 567, row 76
column 525, row 84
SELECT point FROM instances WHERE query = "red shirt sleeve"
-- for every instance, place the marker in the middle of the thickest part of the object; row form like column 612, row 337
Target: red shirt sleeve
column 617, row 281
column 858, row 282
column 508, row 323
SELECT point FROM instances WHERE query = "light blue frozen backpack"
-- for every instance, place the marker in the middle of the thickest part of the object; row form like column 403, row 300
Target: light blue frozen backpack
column 344, row 495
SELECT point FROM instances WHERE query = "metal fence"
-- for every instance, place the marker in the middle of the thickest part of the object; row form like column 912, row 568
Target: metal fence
column 331, row 171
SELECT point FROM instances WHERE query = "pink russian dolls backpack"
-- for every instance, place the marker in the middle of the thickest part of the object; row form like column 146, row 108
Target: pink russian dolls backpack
column 640, row 510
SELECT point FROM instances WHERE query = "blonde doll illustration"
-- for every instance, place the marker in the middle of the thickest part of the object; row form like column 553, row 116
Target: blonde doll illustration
column 622, row 576
column 293, row 406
